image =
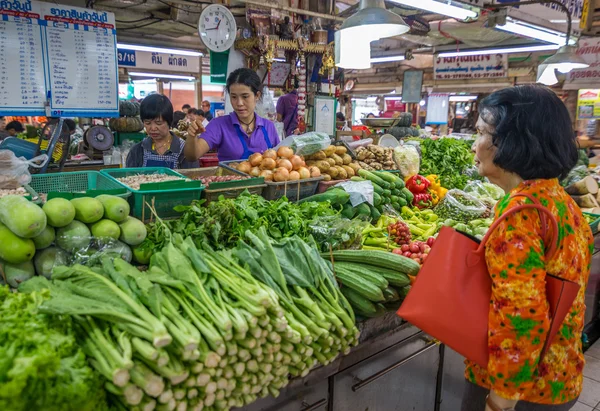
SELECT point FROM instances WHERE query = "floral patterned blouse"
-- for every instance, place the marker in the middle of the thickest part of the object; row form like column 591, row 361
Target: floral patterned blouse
column 518, row 318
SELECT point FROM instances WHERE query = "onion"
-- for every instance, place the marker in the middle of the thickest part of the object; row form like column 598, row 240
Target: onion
column 270, row 153
column 297, row 162
column 255, row 172
column 285, row 152
column 268, row 164
column 281, row 174
column 244, row 167
column 294, row 176
column 285, row 164
column 315, row 172
column 267, row 174
column 255, row 159
column 304, row 173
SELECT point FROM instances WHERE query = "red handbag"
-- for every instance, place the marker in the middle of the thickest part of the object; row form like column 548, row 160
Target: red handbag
column 450, row 298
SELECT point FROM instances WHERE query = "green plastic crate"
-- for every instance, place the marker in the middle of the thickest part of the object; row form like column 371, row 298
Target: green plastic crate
column 76, row 184
column 594, row 221
column 162, row 196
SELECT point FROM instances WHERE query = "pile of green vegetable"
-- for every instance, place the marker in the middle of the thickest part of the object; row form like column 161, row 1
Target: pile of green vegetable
column 204, row 328
column 389, row 191
column 476, row 228
column 221, row 224
column 449, row 158
column 41, row 364
column 374, row 282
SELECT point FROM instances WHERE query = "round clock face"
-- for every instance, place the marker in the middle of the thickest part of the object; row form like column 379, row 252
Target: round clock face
column 217, row 28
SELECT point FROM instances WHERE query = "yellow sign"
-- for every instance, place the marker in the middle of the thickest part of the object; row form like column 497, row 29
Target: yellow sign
column 585, row 11
column 588, row 103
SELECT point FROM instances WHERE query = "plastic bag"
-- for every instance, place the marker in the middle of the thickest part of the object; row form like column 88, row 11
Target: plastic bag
column 308, row 143
column 337, row 233
column 266, row 106
column 462, row 207
column 99, row 248
column 14, row 171
column 407, row 160
column 481, row 189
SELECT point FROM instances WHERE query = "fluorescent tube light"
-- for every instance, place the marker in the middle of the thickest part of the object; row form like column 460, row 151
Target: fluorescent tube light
column 386, row 59
column 437, row 7
column 393, row 98
column 506, row 50
column 158, row 50
column 157, row 75
column 534, row 32
column 462, row 98
column 563, row 21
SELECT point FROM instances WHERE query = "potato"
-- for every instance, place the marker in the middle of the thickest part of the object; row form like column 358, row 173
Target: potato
column 346, row 159
column 361, row 155
column 340, row 150
column 354, row 166
column 329, row 151
column 319, row 155
column 326, row 177
column 323, row 166
column 338, row 160
column 333, row 172
column 342, row 175
column 349, row 171
column 311, row 163
column 331, row 161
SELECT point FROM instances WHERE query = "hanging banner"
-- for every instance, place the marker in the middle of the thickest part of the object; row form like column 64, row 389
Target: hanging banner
column 470, row 67
column 158, row 61
column 589, row 51
column 411, row 86
column 437, row 109
column 588, row 103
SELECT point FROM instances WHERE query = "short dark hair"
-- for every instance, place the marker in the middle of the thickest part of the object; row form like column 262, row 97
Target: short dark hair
column 70, row 124
column 177, row 117
column 533, row 132
column 340, row 116
column 192, row 111
column 15, row 125
column 186, row 106
column 156, row 106
column 246, row 77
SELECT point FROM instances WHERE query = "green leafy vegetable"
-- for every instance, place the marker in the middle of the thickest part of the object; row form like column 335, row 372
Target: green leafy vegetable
column 447, row 157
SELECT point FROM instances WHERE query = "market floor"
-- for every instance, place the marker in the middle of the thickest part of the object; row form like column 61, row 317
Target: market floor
column 590, row 397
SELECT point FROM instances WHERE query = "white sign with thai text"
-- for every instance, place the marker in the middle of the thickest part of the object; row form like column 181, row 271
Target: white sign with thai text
column 589, row 50
column 159, row 61
column 470, row 67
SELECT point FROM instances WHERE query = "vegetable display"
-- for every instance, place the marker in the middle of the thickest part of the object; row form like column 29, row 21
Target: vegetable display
column 43, row 367
column 374, row 157
column 448, row 158
column 462, row 207
column 136, row 181
column 278, row 166
column 206, row 181
column 334, row 163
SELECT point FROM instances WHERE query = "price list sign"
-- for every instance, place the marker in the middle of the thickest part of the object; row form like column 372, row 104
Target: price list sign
column 22, row 82
column 68, row 67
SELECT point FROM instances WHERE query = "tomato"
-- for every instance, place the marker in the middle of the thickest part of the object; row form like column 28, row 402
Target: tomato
column 427, row 249
column 397, row 251
column 405, row 248
column 407, row 254
column 430, row 241
column 414, row 248
column 424, row 257
column 417, row 260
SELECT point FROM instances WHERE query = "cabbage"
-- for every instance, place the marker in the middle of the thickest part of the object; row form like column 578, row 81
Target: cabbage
column 407, row 160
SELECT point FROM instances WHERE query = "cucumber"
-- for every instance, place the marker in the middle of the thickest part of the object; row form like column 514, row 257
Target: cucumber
column 375, row 179
column 363, row 209
column 359, row 284
column 369, row 275
column 402, row 202
column 348, row 211
column 376, row 199
column 358, row 302
column 382, row 259
column 336, row 196
column 391, row 295
column 375, row 213
column 408, row 195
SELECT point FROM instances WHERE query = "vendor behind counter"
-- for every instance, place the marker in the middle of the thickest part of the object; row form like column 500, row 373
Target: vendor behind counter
column 161, row 148
column 237, row 135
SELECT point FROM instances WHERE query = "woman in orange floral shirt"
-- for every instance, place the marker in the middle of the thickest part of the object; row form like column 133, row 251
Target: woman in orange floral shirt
column 526, row 142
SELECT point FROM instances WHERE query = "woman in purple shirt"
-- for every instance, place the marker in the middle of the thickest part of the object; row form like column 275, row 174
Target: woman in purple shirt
column 239, row 134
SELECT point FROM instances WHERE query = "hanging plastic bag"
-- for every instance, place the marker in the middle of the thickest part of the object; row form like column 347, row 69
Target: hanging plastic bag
column 266, row 106
column 14, row 171
column 337, row 233
column 407, row 160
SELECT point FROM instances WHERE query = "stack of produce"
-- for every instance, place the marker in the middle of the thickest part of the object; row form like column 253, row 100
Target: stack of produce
column 207, row 180
column 389, row 191
column 135, row 181
column 476, row 228
column 375, row 157
column 43, row 366
column 373, row 281
column 20, row 191
column 35, row 239
column 423, row 224
column 586, row 194
column 402, row 128
column 281, row 165
column 462, row 207
column 199, row 330
column 129, row 120
column 448, row 158
column 223, row 223
column 334, row 163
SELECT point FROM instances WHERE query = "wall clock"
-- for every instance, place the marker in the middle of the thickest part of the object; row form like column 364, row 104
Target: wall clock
column 217, row 28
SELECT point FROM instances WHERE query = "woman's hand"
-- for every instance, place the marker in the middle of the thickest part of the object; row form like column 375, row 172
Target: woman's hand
column 195, row 128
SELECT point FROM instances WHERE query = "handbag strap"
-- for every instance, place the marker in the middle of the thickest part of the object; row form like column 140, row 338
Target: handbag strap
column 550, row 251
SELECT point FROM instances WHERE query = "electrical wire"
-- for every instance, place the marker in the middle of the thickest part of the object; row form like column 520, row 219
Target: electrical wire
column 137, row 21
column 142, row 26
column 182, row 9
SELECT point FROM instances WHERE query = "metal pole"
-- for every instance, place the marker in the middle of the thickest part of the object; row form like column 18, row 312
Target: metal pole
column 293, row 10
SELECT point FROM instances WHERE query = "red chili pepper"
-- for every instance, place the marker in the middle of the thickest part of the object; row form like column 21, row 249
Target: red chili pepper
column 422, row 200
column 417, row 184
